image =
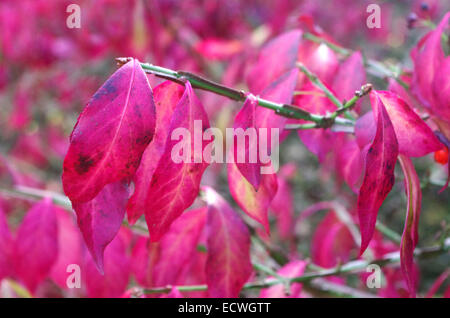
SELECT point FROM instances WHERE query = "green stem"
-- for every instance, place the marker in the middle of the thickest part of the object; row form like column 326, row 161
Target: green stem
column 286, row 110
column 350, row 267
column 390, row 234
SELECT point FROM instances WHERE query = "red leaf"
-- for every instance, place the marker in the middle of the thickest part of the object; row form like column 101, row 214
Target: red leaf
column 143, row 259
column 99, row 219
column 228, row 265
column 379, row 173
column 114, row 281
column 249, row 165
column 276, row 58
column 178, row 246
column 36, row 245
column 175, row 186
column 111, row 134
column 350, row 76
column 6, row 244
column 415, row 138
column 254, row 203
column 69, row 247
column 411, row 230
column 166, row 97
column 290, row 270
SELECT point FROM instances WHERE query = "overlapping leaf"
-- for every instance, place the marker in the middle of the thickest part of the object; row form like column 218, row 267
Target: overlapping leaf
column 228, row 265
column 379, row 172
column 111, row 134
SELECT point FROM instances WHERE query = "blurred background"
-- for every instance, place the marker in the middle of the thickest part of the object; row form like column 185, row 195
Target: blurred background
column 48, row 72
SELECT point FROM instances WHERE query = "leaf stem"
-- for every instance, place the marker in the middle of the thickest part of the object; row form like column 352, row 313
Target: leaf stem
column 286, row 110
column 350, row 267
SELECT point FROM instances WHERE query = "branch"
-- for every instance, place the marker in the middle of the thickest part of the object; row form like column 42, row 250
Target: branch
column 350, row 267
column 285, row 110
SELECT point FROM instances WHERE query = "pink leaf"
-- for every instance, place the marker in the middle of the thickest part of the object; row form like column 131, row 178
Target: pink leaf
column 111, row 134
column 99, row 220
column 254, row 203
column 379, row 173
column 276, row 58
column 69, row 247
column 415, row 138
column 175, row 185
column 411, row 230
column 350, row 76
column 178, row 246
column 114, row 281
column 6, row 244
column 166, row 97
column 247, row 159
column 290, row 270
column 228, row 265
column 143, row 259
column 36, row 245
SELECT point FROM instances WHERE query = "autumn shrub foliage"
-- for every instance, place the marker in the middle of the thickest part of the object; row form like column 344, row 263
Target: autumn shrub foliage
column 364, row 137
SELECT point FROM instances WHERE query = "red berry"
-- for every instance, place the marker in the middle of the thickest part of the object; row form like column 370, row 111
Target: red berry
column 441, row 156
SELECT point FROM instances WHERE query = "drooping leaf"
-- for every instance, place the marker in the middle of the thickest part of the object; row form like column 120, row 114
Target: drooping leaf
column 415, row 138
column 69, row 247
column 350, row 76
column 276, row 58
column 114, row 281
column 6, row 244
column 228, row 265
column 111, row 134
column 166, row 97
column 411, row 230
column 247, row 159
column 175, row 182
column 36, row 245
column 178, row 246
column 290, row 270
column 254, row 203
column 379, row 173
column 99, row 220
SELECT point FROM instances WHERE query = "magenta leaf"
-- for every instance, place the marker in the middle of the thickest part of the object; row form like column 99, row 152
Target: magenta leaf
column 379, row 173
column 247, row 159
column 111, row 134
column 178, row 246
column 350, row 76
column 175, row 185
column 166, row 97
column 36, row 245
column 69, row 247
column 99, row 220
column 276, row 58
column 6, row 244
column 114, row 281
column 254, row 203
column 415, row 138
column 411, row 230
column 290, row 270
column 143, row 259
column 228, row 266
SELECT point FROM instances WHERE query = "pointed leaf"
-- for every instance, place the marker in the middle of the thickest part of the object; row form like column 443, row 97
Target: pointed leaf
column 175, row 185
column 276, row 58
column 111, row 134
column 6, row 244
column 411, row 230
column 254, row 203
column 99, row 220
column 379, row 173
column 228, row 265
column 166, row 97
